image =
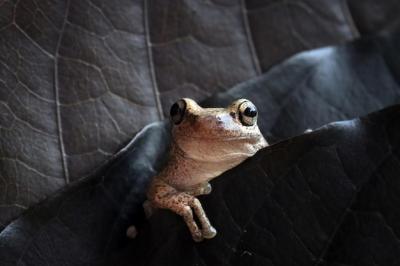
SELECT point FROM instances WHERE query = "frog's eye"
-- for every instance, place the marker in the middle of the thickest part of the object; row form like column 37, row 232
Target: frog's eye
column 177, row 111
column 247, row 113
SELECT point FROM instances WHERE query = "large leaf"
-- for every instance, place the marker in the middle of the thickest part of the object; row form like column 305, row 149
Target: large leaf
column 201, row 47
column 287, row 205
column 303, row 201
column 328, row 197
column 79, row 78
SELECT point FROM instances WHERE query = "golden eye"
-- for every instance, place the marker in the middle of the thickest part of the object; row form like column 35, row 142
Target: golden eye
column 247, row 113
column 178, row 111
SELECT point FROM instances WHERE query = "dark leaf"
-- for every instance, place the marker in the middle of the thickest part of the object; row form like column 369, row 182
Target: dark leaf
column 75, row 84
column 323, row 197
column 77, row 225
column 79, row 78
column 374, row 16
column 191, row 59
column 286, row 205
column 295, row 26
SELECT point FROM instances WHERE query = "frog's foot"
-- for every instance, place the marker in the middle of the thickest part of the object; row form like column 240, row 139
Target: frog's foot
column 182, row 204
column 186, row 212
column 208, row 231
column 132, row 232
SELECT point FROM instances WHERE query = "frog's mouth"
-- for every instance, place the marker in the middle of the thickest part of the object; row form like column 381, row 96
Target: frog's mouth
column 220, row 156
column 253, row 136
column 233, row 144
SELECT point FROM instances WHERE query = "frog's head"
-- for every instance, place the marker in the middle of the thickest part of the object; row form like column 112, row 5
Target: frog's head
column 216, row 133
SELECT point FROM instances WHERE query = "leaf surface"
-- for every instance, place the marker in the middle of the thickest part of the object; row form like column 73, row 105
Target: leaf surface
column 79, row 78
column 325, row 197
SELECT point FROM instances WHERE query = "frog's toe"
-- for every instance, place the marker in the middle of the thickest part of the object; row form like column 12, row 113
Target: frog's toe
column 197, row 237
column 131, row 232
column 209, row 233
column 148, row 209
column 207, row 189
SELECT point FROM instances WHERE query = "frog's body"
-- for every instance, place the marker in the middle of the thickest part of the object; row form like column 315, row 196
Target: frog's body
column 205, row 143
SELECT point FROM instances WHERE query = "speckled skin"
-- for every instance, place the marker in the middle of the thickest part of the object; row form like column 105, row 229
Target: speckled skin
column 205, row 144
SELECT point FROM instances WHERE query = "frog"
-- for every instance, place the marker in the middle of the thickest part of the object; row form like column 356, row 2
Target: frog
column 205, row 142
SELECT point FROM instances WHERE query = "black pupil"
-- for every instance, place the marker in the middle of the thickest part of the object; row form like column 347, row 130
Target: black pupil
column 250, row 112
column 177, row 111
column 174, row 110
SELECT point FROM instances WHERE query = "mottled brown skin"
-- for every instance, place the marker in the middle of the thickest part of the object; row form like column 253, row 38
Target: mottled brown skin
column 206, row 143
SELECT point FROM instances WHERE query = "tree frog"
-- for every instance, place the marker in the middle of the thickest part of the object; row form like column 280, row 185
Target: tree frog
column 205, row 143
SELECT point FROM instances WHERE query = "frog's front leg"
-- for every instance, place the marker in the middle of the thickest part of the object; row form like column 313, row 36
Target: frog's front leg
column 182, row 204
